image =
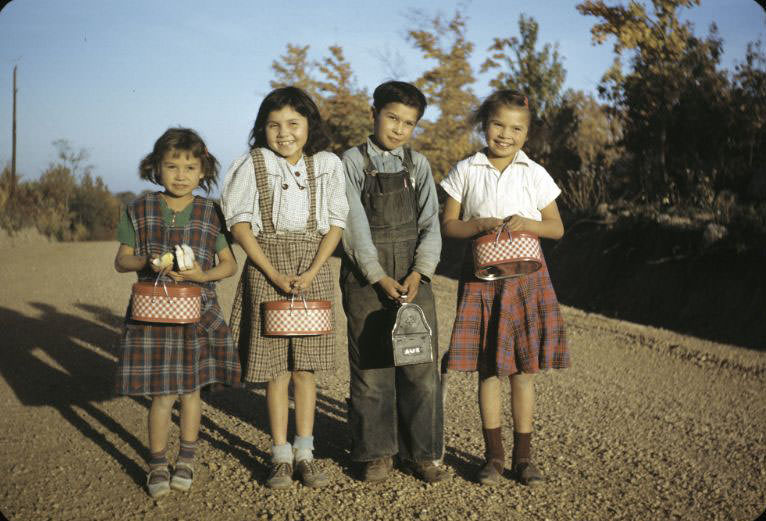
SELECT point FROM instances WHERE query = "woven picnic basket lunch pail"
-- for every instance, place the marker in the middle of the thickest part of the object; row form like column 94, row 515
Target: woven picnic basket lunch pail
column 166, row 303
column 504, row 254
column 297, row 317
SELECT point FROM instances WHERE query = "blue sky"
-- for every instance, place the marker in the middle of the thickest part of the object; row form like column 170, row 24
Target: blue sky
column 110, row 76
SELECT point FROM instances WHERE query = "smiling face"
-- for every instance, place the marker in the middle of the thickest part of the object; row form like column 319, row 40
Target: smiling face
column 506, row 132
column 393, row 124
column 180, row 173
column 287, row 132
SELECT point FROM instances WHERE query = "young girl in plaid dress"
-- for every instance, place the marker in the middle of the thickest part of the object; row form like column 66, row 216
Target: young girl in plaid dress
column 165, row 360
column 285, row 203
column 511, row 327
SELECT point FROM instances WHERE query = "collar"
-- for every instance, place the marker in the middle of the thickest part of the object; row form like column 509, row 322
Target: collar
column 481, row 159
column 300, row 165
column 375, row 150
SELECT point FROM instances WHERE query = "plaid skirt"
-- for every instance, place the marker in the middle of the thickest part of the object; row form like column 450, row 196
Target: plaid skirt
column 177, row 358
column 263, row 357
column 507, row 326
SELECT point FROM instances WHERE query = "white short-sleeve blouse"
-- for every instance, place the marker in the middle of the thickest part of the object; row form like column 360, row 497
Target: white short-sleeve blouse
column 523, row 188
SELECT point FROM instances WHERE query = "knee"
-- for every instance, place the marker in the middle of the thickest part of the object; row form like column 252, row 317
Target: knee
column 522, row 380
column 163, row 402
column 303, row 378
column 190, row 398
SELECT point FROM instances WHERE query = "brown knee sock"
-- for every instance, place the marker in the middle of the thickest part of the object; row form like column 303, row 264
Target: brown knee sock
column 158, row 460
column 522, row 448
column 186, row 451
column 493, row 447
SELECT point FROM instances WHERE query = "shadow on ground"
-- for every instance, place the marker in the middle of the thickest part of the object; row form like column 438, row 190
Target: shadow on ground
column 49, row 361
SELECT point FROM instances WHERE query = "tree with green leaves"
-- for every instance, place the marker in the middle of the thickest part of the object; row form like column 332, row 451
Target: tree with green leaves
column 447, row 87
column 672, row 97
column 539, row 74
column 344, row 107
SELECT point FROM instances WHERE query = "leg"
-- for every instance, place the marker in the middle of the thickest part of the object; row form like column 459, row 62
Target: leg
column 421, row 420
column 490, row 408
column 308, row 470
column 523, row 405
column 191, row 415
column 191, row 412
column 281, row 472
column 373, row 414
column 158, row 479
column 159, row 422
column 305, row 402
column 490, row 402
column 522, row 401
column 419, row 407
column 278, row 405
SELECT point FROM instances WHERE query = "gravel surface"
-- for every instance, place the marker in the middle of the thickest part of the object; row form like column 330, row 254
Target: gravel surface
column 648, row 424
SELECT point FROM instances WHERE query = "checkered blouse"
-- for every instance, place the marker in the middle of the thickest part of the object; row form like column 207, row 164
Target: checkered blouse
column 240, row 197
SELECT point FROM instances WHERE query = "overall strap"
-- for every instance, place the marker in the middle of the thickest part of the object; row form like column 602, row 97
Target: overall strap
column 409, row 164
column 266, row 199
column 367, row 168
column 311, row 222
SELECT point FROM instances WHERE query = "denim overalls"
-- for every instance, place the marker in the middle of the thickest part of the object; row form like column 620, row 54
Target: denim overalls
column 392, row 409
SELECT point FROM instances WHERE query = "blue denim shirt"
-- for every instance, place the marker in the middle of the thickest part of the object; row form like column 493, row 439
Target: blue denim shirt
column 357, row 240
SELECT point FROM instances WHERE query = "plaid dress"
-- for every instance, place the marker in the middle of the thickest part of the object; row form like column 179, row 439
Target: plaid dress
column 176, row 358
column 507, row 326
column 262, row 357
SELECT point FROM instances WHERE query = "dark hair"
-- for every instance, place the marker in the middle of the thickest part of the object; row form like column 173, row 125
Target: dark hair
column 299, row 101
column 184, row 139
column 508, row 98
column 399, row 92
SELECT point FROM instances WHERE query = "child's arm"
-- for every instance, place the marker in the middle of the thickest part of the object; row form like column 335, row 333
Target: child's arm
column 455, row 228
column 243, row 235
column 126, row 260
column 550, row 227
column 326, row 246
column 226, row 267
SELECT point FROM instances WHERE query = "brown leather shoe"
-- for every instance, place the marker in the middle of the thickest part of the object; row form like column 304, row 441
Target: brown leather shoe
column 280, row 476
column 429, row 471
column 527, row 474
column 377, row 470
column 488, row 474
column 311, row 474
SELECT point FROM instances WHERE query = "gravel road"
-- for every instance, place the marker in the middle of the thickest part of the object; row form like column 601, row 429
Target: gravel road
column 647, row 425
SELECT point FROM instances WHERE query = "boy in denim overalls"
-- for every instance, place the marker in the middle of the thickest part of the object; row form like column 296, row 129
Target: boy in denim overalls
column 392, row 244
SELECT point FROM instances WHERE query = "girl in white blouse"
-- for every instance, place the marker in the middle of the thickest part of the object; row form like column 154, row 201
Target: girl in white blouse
column 285, row 204
column 511, row 327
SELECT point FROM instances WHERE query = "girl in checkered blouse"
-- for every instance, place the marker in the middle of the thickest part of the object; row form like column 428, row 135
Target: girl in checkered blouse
column 165, row 360
column 285, row 203
column 511, row 327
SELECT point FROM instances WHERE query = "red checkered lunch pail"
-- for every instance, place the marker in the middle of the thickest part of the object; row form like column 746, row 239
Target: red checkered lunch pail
column 504, row 254
column 291, row 318
column 166, row 303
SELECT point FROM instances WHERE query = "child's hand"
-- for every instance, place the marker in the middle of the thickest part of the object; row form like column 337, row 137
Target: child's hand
column 517, row 223
column 195, row 274
column 391, row 288
column 157, row 267
column 485, row 224
column 411, row 284
column 303, row 281
column 283, row 282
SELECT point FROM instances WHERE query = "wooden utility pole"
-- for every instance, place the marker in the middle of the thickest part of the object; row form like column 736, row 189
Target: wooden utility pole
column 13, row 145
